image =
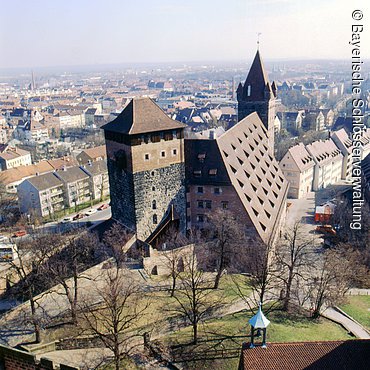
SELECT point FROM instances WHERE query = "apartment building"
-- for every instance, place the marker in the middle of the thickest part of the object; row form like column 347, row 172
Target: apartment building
column 99, row 179
column 11, row 157
column 344, row 143
column 298, row 168
column 76, row 184
column 328, row 163
column 41, row 194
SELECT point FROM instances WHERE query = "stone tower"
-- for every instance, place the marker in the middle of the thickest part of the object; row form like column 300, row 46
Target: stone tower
column 145, row 150
column 258, row 95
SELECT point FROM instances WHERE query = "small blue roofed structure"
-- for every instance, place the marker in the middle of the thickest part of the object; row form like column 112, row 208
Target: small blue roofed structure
column 258, row 322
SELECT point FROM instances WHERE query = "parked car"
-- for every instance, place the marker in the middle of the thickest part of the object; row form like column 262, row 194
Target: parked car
column 326, row 229
column 19, row 233
column 91, row 212
column 67, row 219
column 78, row 216
column 103, row 206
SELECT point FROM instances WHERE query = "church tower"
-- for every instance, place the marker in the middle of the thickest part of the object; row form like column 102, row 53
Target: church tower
column 258, row 95
column 145, row 151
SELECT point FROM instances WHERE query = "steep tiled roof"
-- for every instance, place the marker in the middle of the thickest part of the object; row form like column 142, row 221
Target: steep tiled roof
column 140, row 116
column 204, row 164
column 343, row 137
column 323, row 152
column 330, row 355
column 255, row 173
column 301, row 157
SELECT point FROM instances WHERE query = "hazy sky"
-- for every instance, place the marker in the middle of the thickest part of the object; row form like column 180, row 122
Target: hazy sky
column 74, row 32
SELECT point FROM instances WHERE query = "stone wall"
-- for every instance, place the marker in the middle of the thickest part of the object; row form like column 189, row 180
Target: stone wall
column 121, row 194
column 164, row 186
column 13, row 359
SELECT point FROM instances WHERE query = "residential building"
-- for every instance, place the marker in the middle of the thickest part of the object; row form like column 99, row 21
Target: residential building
column 298, row 168
column 328, row 163
column 42, row 194
column 344, row 143
column 76, row 183
column 11, row 157
column 99, row 180
column 258, row 95
column 70, row 119
column 97, row 153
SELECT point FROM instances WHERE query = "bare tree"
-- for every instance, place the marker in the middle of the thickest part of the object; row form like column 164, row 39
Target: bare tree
column 120, row 306
column 173, row 240
column 67, row 268
column 331, row 278
column 259, row 262
column 226, row 235
column 116, row 238
column 292, row 258
column 27, row 270
column 194, row 298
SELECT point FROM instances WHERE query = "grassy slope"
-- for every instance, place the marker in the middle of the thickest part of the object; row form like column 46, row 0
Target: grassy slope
column 359, row 308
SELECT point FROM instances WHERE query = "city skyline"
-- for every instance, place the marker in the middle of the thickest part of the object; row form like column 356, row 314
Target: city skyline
column 89, row 33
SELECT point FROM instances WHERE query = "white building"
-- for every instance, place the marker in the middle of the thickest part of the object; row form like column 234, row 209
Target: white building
column 11, row 157
column 41, row 194
column 298, row 168
column 344, row 143
column 328, row 163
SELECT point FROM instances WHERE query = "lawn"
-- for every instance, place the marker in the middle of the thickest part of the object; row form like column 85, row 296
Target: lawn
column 224, row 336
column 359, row 308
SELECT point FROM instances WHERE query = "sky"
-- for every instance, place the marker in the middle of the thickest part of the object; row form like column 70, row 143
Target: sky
column 42, row 33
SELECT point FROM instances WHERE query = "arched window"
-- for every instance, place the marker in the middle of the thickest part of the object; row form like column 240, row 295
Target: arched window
column 155, row 219
column 154, row 204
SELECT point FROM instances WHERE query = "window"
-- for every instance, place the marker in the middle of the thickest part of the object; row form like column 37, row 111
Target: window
column 153, row 188
column 201, row 157
column 200, row 204
column 154, row 204
column 200, row 218
column 146, row 157
column 187, row 204
column 174, row 151
column 200, row 190
column 225, row 205
column 249, row 90
column 208, row 204
column 212, row 172
column 155, row 219
column 217, row 191
column 197, row 173
column 163, row 153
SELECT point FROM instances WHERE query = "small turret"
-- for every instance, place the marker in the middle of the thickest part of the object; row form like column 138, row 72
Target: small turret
column 258, row 322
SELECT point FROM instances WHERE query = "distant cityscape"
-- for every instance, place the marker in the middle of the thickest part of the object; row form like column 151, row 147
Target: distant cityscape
column 181, row 187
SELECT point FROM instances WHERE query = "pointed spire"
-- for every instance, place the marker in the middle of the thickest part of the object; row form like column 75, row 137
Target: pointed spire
column 259, row 320
column 256, row 80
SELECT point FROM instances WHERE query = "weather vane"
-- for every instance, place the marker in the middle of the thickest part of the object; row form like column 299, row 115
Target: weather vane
column 258, row 40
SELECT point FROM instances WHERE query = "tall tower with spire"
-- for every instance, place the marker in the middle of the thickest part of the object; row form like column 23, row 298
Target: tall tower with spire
column 258, row 95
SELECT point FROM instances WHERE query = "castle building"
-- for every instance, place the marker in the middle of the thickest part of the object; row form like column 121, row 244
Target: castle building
column 145, row 156
column 236, row 171
column 258, row 95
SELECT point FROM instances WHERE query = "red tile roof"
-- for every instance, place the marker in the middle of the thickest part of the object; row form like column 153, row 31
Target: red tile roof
column 326, row 355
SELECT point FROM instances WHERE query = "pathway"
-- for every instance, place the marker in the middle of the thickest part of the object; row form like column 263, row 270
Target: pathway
column 346, row 321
